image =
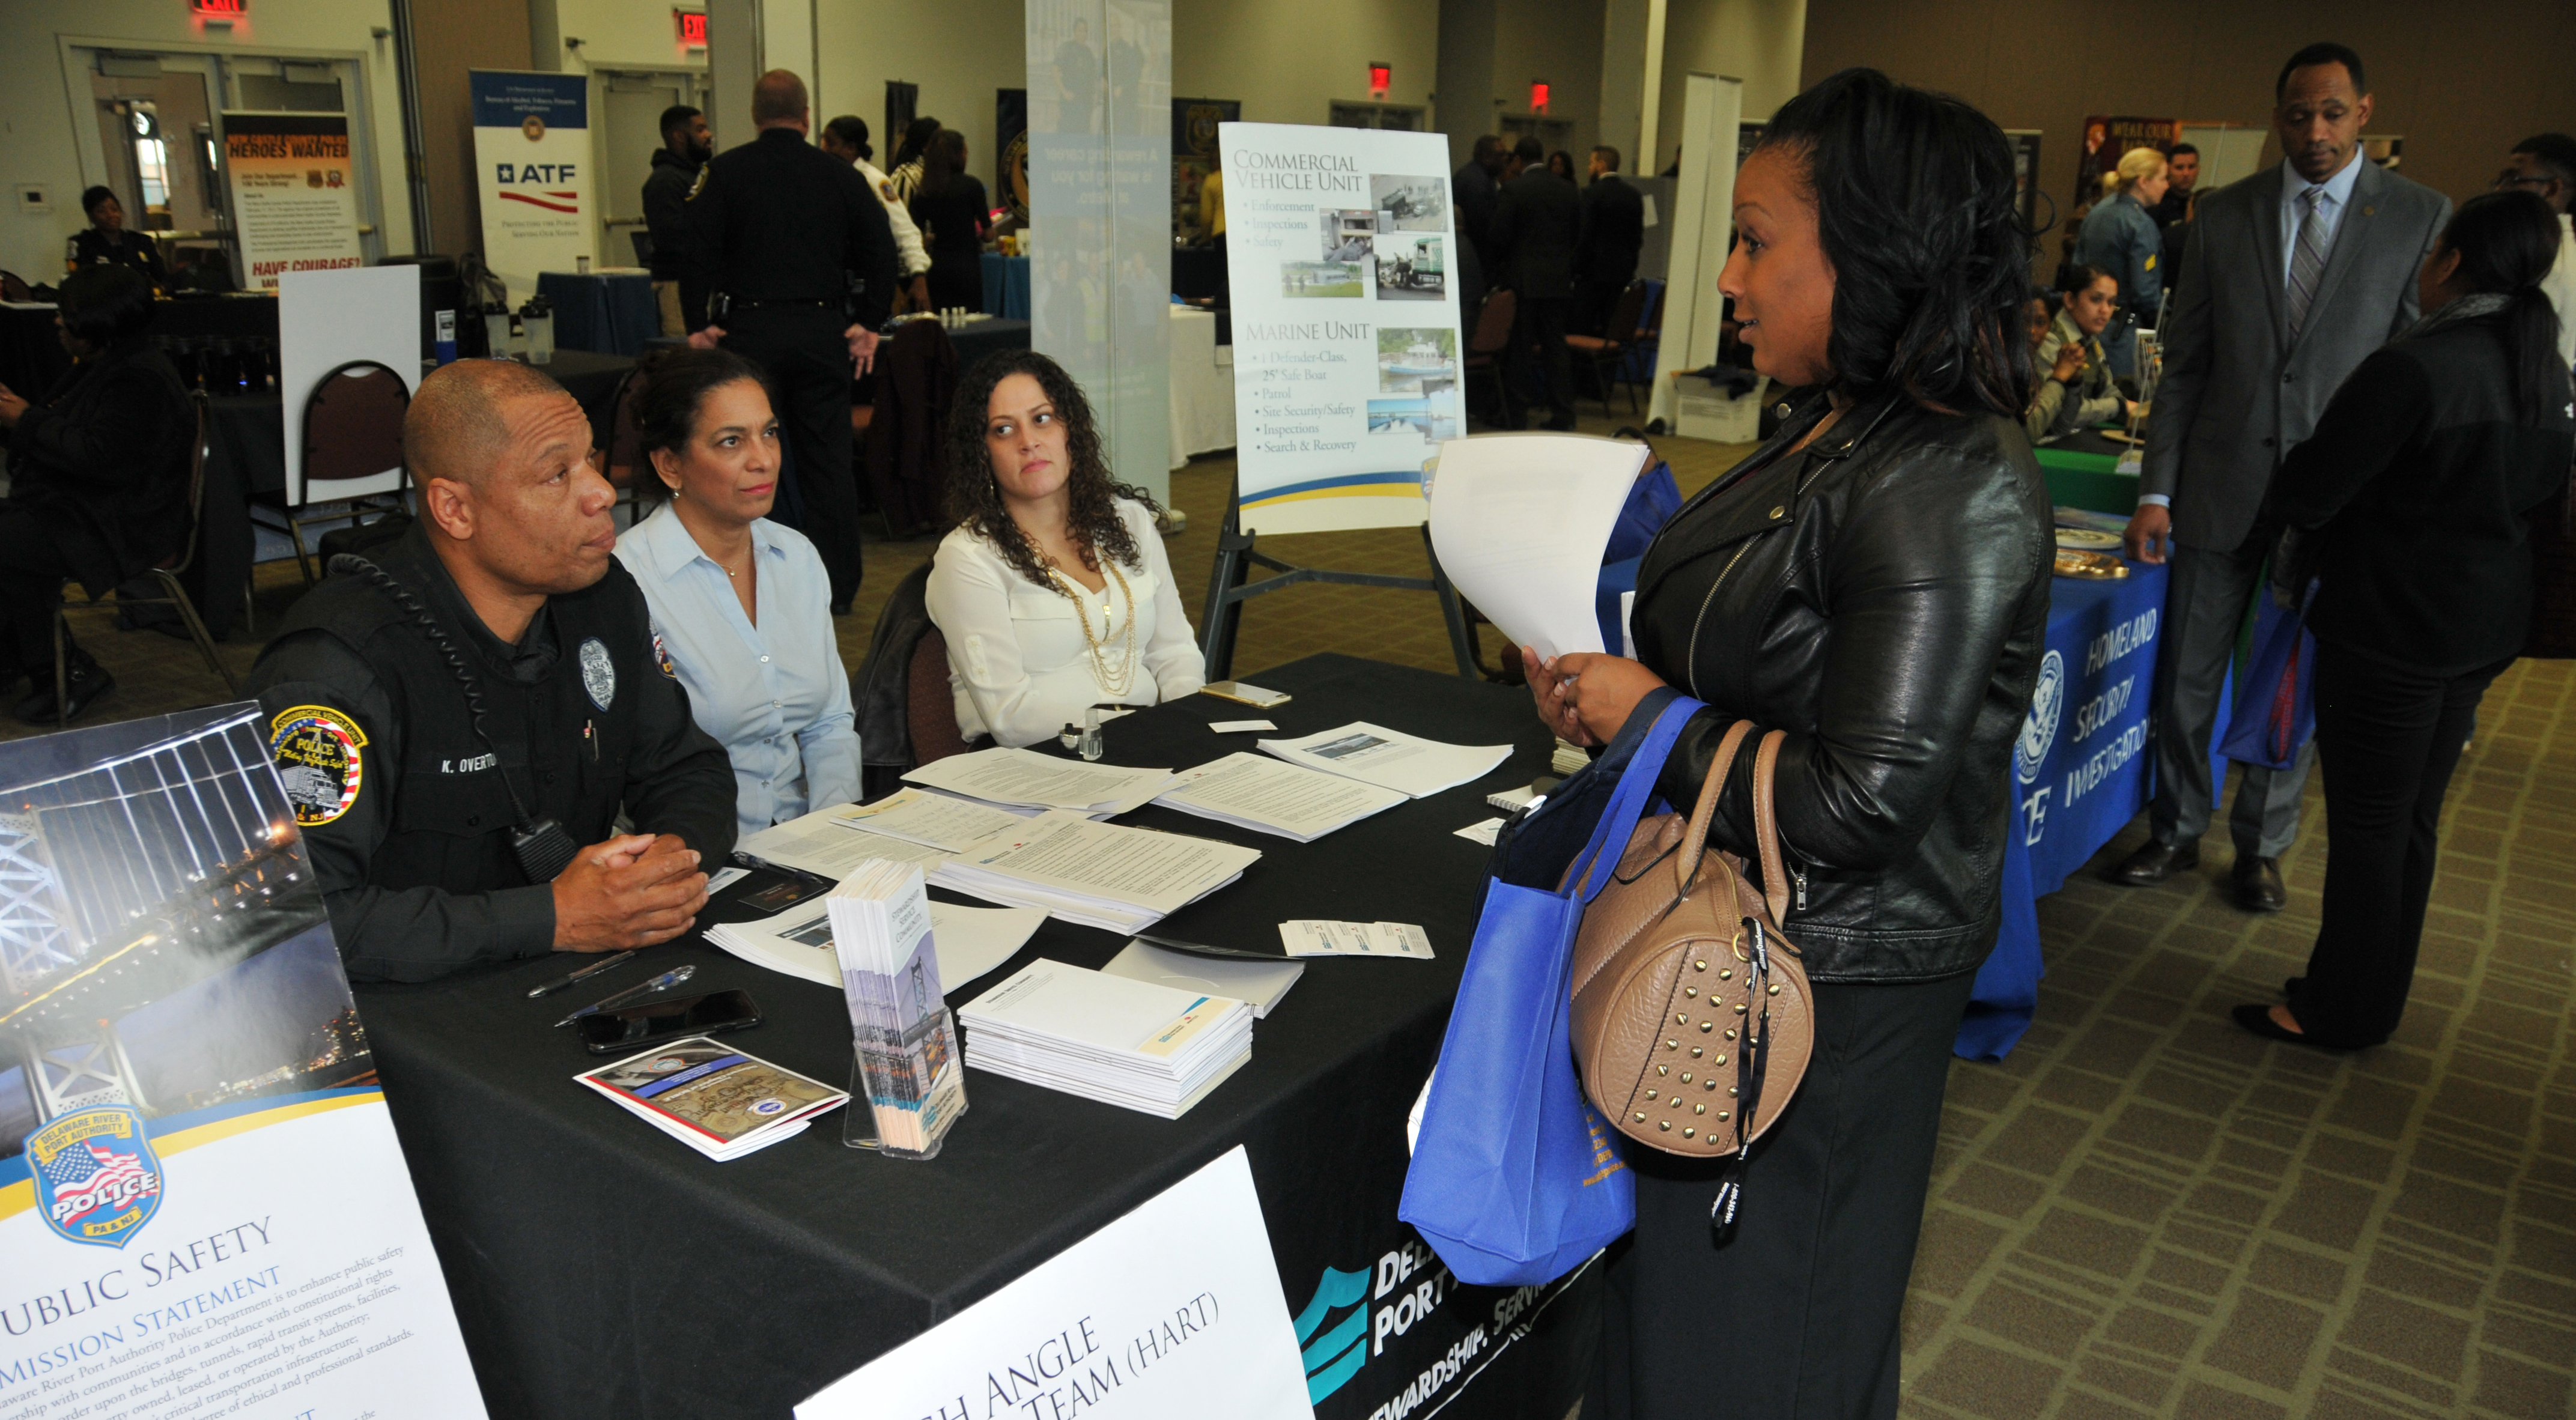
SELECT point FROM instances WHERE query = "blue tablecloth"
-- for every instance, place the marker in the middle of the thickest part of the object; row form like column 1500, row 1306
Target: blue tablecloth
column 608, row 312
column 1006, row 286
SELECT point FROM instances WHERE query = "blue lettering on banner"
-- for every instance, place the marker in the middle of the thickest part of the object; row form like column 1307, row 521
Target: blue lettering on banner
column 536, row 172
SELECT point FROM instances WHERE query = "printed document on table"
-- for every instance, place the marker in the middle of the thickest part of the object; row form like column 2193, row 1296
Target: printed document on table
column 1287, row 799
column 1519, row 522
column 1100, row 874
column 820, row 844
column 970, row 941
column 941, row 821
column 1020, row 776
column 1391, row 759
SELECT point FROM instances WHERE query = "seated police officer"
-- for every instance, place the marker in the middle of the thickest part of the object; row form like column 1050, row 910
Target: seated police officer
column 453, row 718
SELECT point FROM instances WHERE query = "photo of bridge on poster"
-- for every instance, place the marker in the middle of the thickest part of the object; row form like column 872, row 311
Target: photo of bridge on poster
column 1341, row 254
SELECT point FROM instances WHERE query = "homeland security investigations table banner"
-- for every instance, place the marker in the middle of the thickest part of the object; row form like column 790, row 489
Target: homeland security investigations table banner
column 203, row 1210
column 532, row 167
column 1340, row 248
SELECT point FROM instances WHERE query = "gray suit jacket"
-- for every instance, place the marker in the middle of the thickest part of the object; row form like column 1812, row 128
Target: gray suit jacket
column 2236, row 394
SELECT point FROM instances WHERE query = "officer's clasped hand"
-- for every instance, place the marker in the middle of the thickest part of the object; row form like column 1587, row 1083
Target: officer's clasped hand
column 630, row 891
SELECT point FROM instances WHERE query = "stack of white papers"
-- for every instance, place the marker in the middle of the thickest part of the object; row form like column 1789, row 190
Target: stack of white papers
column 941, row 821
column 971, row 941
column 712, row 1097
column 822, row 844
column 1131, row 1043
column 1098, row 874
column 1355, row 939
column 1290, row 800
column 890, row 975
column 1519, row 522
column 1390, row 759
column 1042, row 781
column 1258, row 984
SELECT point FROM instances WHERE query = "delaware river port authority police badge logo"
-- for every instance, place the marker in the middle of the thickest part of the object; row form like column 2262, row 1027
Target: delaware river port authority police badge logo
column 321, row 759
column 97, row 1179
column 598, row 673
column 2039, row 727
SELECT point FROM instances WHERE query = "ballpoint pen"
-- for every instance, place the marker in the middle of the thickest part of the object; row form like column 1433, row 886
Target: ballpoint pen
column 594, row 969
column 631, row 994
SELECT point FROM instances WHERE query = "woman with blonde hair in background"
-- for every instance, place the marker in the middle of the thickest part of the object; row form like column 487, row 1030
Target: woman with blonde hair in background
column 2120, row 237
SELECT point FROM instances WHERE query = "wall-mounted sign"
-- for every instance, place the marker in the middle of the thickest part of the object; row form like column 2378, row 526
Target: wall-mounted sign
column 692, row 27
column 220, row 9
column 1380, row 77
column 1538, row 96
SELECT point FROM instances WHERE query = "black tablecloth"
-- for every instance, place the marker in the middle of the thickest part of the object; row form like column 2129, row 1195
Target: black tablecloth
column 602, row 1269
column 32, row 358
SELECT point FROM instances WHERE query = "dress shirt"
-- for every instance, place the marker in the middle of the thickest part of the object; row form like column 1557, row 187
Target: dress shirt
column 2338, row 197
column 1018, row 662
column 773, row 694
column 907, row 237
column 2560, row 286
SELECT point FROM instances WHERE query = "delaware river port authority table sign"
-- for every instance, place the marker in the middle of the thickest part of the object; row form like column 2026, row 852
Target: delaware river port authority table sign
column 1340, row 245
column 203, row 1210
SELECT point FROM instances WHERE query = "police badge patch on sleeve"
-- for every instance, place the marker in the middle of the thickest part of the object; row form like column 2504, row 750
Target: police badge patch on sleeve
column 320, row 756
column 598, row 673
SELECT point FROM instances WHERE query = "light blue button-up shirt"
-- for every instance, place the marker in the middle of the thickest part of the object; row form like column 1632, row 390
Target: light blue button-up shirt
column 2338, row 197
column 773, row 694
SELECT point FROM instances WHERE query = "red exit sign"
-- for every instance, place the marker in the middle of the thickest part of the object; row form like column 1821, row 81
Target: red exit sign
column 220, row 9
column 692, row 25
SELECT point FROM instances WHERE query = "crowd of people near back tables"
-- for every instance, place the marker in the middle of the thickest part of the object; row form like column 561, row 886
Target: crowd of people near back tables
column 1565, row 253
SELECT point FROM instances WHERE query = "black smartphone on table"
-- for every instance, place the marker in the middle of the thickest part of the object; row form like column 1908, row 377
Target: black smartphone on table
column 638, row 1026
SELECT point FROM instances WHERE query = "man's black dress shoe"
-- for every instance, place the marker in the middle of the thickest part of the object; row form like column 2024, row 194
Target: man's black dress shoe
column 85, row 684
column 2258, row 884
column 2257, row 1018
column 2153, row 863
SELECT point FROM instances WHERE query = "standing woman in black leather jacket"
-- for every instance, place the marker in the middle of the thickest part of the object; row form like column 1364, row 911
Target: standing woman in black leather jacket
column 1874, row 581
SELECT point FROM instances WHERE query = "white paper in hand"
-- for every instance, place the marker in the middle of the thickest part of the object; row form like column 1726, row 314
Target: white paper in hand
column 1519, row 522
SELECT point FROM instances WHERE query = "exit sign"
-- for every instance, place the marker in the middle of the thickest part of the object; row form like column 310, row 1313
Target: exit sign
column 220, row 9
column 692, row 25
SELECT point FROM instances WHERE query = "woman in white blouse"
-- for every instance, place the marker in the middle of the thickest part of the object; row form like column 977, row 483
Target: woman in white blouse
column 740, row 605
column 1053, row 593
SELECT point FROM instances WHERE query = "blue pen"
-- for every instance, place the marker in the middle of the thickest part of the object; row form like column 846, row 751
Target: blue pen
column 664, row 982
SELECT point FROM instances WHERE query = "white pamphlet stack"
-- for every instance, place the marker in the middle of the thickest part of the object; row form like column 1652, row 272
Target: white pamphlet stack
column 1258, row 984
column 907, row 1044
column 798, row 942
column 1390, row 759
column 1042, row 781
column 1257, row 792
column 822, row 843
column 1101, row 875
column 1131, row 1043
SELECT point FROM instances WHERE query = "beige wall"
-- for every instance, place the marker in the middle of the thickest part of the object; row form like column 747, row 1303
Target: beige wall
column 1757, row 41
column 1288, row 62
column 1558, row 41
column 958, row 51
column 2461, row 86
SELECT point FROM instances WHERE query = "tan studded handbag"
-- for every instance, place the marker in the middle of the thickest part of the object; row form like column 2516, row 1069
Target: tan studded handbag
column 1693, row 1019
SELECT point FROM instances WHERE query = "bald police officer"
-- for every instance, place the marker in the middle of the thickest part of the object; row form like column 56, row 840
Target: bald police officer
column 802, row 262
column 454, row 719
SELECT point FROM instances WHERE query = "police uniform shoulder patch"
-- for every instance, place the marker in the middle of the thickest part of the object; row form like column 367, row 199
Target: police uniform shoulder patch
column 885, row 188
column 598, row 672
column 662, row 659
column 321, row 759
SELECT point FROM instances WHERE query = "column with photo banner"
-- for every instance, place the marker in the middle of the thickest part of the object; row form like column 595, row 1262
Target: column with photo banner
column 203, row 1209
column 532, row 173
column 294, row 194
column 1347, row 355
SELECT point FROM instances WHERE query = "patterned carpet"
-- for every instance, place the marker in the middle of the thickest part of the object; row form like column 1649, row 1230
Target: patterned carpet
column 2143, row 1211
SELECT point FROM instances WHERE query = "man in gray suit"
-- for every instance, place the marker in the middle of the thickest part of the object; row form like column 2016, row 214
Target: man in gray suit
column 2297, row 275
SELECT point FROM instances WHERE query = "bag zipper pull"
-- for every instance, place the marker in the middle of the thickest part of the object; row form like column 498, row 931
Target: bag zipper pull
column 1800, row 880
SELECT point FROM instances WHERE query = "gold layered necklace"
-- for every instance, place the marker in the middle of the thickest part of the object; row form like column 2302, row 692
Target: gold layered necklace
column 1112, row 683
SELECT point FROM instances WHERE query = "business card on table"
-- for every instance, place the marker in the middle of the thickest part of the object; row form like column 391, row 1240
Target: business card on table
column 1238, row 727
column 1307, row 938
column 1484, row 831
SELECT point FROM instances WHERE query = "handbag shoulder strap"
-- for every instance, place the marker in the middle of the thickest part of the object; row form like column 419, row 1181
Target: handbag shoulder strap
column 1628, row 801
column 1695, row 839
column 1766, row 827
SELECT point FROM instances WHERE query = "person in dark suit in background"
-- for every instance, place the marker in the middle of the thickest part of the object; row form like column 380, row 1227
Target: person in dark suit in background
column 1537, row 225
column 2182, row 178
column 1614, row 231
column 686, row 146
column 2297, row 275
column 800, row 268
column 1473, row 191
column 2416, row 490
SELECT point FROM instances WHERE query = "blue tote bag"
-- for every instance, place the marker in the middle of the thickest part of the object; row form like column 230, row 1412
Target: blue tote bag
column 1515, row 1178
column 2276, row 711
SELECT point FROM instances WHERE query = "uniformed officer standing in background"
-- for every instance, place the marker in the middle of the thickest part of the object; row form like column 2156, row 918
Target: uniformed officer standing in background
column 452, row 722
column 801, row 261
column 686, row 146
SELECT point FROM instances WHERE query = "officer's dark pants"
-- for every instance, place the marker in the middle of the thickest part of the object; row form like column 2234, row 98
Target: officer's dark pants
column 1540, row 363
column 35, row 560
column 808, row 360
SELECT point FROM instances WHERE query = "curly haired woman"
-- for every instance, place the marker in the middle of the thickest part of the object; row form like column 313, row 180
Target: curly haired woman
column 1053, row 591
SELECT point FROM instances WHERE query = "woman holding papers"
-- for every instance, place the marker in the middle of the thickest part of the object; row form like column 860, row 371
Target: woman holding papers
column 1874, row 581
column 1053, row 591
column 741, row 606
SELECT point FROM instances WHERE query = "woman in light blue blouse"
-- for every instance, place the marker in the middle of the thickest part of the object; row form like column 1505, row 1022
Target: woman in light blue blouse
column 741, row 605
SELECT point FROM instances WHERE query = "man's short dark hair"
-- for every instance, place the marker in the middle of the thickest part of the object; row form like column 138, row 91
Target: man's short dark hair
column 105, row 304
column 1487, row 144
column 2556, row 152
column 1530, row 151
column 851, row 132
column 2179, row 149
column 2315, row 54
column 675, row 119
column 91, row 197
column 1609, row 157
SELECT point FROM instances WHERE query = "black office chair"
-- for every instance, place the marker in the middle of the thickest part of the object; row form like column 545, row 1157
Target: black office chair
column 906, row 712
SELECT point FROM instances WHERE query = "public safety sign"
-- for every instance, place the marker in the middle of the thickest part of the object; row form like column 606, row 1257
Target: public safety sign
column 532, row 173
column 294, row 194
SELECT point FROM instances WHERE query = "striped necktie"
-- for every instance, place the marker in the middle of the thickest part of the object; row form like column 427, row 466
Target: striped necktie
column 2308, row 262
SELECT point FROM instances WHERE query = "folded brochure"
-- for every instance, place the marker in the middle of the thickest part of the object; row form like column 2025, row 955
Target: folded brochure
column 712, row 1097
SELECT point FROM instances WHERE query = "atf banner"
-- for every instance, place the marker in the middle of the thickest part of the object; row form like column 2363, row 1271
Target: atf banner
column 203, row 1209
column 294, row 194
column 532, row 160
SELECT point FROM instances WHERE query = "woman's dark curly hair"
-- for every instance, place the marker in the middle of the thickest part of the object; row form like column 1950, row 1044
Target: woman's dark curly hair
column 670, row 387
column 975, row 495
column 1914, row 203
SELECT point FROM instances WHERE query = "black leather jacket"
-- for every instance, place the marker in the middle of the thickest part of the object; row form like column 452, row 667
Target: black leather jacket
column 1883, row 597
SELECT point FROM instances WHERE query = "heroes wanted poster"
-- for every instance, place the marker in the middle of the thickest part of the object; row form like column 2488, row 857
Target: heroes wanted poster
column 1341, row 249
column 202, row 1207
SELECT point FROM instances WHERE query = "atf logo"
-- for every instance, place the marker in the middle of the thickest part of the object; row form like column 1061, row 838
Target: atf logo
column 1337, row 1355
column 2039, row 727
column 97, row 1179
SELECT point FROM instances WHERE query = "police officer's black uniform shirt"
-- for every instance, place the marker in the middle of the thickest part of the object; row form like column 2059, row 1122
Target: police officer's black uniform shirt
column 779, row 219
column 404, row 810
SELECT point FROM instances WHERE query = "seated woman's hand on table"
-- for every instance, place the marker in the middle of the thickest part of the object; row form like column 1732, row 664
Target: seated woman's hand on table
column 1585, row 696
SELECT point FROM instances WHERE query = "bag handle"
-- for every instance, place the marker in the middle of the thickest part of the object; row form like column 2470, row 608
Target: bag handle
column 1628, row 801
column 1766, row 827
column 1695, row 840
